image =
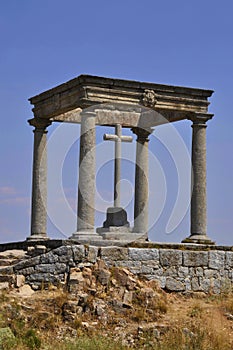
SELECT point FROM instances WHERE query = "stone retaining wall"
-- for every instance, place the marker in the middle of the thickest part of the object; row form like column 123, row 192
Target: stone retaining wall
column 177, row 270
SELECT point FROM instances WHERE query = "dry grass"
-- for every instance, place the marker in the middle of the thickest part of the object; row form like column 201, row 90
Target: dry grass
column 177, row 323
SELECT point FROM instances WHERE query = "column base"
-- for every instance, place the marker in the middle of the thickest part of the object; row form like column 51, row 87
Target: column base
column 198, row 239
column 85, row 236
column 38, row 237
column 121, row 233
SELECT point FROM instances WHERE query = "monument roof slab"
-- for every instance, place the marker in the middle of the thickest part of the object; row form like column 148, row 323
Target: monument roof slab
column 86, row 91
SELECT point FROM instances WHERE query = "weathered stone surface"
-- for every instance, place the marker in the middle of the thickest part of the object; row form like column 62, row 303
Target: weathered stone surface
column 170, row 257
column 187, row 283
column 6, row 270
column 134, row 266
column 25, row 291
column 127, row 297
column 171, row 271
column 174, row 285
column 195, row 285
column 51, row 268
column 4, row 285
column 147, row 269
column 76, row 281
column 205, row 271
column 183, row 271
column 205, row 284
column 143, row 254
column 44, row 277
column 20, row 280
column 216, row 260
column 13, row 254
column 47, row 268
column 199, row 271
column 103, row 276
column 229, row 260
column 193, row 258
column 27, row 271
column 161, row 279
column 208, row 273
column 92, row 254
column 78, row 253
column 114, row 253
column 27, row 263
column 49, row 258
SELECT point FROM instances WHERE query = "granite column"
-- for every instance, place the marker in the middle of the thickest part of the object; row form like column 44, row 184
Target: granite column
column 39, row 180
column 198, row 196
column 141, row 182
column 86, row 186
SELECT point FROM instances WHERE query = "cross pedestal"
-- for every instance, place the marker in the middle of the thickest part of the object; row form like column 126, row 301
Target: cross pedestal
column 116, row 226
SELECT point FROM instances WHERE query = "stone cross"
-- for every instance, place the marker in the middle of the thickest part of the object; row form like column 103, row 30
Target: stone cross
column 117, row 138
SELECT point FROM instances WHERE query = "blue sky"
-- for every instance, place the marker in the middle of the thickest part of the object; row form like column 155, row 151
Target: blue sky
column 45, row 43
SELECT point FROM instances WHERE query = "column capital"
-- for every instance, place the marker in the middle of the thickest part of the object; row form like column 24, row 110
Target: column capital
column 87, row 113
column 39, row 124
column 200, row 119
column 142, row 134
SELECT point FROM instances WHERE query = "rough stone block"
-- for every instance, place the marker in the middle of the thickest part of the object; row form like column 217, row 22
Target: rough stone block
column 217, row 286
column 199, row 272
column 158, row 272
column 49, row 258
column 27, row 271
column 51, row 268
column 76, row 281
column 205, row 284
column 148, row 266
column 187, row 283
column 63, row 250
column 46, row 268
column 229, row 260
column 170, row 257
column 211, row 273
column 216, row 260
column 147, row 269
column 143, row 254
column 134, row 266
column 6, row 270
column 20, row 280
column 174, row 285
column 171, row 271
column 92, row 254
column 27, row 263
column 192, row 258
column 160, row 279
column 195, row 285
column 114, row 253
column 183, row 271
column 78, row 253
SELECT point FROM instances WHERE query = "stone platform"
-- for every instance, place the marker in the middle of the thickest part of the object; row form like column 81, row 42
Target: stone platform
column 177, row 267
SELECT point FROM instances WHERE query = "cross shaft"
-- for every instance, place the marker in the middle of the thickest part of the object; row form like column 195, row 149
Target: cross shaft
column 117, row 138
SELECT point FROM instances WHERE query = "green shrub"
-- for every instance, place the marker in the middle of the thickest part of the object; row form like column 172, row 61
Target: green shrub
column 31, row 340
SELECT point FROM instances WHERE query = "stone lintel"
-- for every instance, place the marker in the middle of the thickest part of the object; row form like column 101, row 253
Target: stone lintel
column 200, row 119
column 86, row 91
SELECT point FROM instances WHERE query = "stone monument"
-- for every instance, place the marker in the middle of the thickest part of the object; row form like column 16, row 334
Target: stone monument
column 139, row 106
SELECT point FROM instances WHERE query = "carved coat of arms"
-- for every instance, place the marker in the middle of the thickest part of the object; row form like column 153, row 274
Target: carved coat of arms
column 149, row 98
